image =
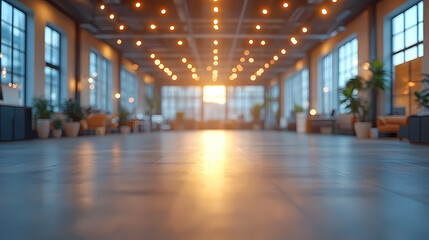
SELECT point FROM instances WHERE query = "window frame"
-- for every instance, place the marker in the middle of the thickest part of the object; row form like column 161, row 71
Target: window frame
column 102, row 92
column 53, row 66
column 25, row 51
column 417, row 44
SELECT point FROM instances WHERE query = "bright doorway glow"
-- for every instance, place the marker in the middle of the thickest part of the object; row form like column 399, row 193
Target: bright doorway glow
column 215, row 94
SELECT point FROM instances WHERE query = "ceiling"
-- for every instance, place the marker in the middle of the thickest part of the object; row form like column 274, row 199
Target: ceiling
column 194, row 26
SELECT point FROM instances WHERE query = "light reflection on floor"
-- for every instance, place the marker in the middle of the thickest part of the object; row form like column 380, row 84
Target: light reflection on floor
column 214, row 185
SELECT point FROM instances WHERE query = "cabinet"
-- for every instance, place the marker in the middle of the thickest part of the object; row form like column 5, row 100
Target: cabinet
column 419, row 129
column 15, row 123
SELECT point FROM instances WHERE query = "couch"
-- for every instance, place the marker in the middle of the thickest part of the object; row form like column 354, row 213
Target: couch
column 391, row 124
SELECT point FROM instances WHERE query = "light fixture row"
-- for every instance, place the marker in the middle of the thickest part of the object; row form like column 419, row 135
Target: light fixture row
column 161, row 66
column 193, row 70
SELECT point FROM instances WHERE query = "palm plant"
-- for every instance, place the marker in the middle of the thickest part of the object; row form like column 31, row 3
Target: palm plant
column 255, row 111
column 422, row 97
column 353, row 103
column 43, row 109
column 73, row 110
column 378, row 82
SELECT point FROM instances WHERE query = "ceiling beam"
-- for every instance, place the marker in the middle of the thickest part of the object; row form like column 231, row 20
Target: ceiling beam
column 183, row 11
column 210, row 36
column 237, row 32
column 173, row 55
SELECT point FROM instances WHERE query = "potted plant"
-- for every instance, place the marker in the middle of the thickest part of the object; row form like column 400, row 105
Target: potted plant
column 255, row 111
column 376, row 84
column 422, row 97
column 151, row 107
column 58, row 126
column 300, row 118
column 43, row 111
column 74, row 114
column 124, row 128
column 356, row 106
column 180, row 121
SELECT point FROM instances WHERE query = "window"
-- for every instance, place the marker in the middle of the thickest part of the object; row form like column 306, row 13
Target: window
column 407, row 35
column 296, row 91
column 100, row 88
column 325, row 85
column 129, row 91
column 13, row 48
column 347, row 64
column 52, row 67
column 181, row 99
column 241, row 99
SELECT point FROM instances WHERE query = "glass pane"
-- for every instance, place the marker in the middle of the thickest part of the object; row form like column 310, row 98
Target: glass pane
column 55, row 39
column 411, row 17
column 18, row 62
column 398, row 42
column 421, row 11
column 48, row 51
column 398, row 59
column 411, row 54
column 411, row 36
column 47, row 82
column 421, row 32
column 398, row 24
column 421, row 50
column 6, row 61
column 6, row 34
column 18, row 39
column 18, row 19
column 6, row 12
column 48, row 36
column 55, row 57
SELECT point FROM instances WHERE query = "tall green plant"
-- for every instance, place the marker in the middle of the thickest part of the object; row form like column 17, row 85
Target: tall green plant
column 353, row 103
column 72, row 110
column 255, row 111
column 123, row 116
column 43, row 109
column 422, row 97
column 378, row 82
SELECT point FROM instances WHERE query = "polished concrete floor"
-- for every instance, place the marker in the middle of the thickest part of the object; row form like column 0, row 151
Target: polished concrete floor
column 214, row 185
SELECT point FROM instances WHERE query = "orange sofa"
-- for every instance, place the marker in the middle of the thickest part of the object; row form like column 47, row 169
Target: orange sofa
column 391, row 124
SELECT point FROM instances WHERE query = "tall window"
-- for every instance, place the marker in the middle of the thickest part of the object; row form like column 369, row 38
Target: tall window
column 347, row 64
column 129, row 91
column 241, row 99
column 181, row 99
column 407, row 35
column 13, row 48
column 296, row 91
column 326, row 86
column 52, row 67
column 100, row 70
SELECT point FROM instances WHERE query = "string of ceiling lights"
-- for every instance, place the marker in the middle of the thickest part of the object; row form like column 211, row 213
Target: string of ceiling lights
column 215, row 72
column 216, row 26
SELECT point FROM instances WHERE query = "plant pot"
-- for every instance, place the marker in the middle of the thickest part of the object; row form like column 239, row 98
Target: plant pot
column 57, row 133
column 43, row 126
column 71, row 129
column 100, row 131
column 256, row 126
column 300, row 122
column 124, row 129
column 362, row 129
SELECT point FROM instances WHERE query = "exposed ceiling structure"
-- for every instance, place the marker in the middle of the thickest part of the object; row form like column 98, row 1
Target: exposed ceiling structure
column 252, row 42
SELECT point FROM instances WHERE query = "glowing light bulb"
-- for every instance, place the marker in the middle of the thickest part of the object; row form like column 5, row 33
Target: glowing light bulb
column 112, row 16
column 102, row 6
column 117, row 95
column 285, row 5
column 250, row 41
column 119, row 41
column 216, row 42
column 180, row 42
column 153, row 26
column 138, row 4
column 294, row 41
column 172, row 28
column 304, row 29
column 138, row 43
column 283, row 51
column 163, row 11
column 324, row 11
column 264, row 11
column 258, row 27
column 121, row 27
column 215, row 9
column 152, row 56
column 184, row 60
column 263, row 43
